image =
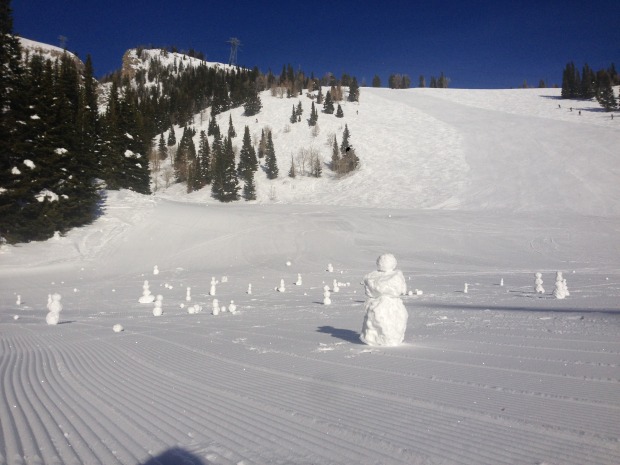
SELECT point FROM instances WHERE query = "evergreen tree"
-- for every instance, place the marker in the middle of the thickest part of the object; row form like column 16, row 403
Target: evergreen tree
column 317, row 169
column 319, row 96
column 231, row 128
column 217, row 167
column 247, row 156
column 606, row 96
column 213, row 128
column 253, row 104
column 162, row 150
column 314, row 115
column 204, row 157
column 376, row 81
column 588, row 83
column 262, row 145
column 335, row 155
column 328, row 104
column 221, row 100
column 270, row 158
column 354, row 91
column 422, row 81
column 172, row 139
column 193, row 167
column 345, row 140
column 249, row 188
column 300, row 110
column 230, row 183
column 339, row 113
column 291, row 172
column 349, row 161
column 293, row 118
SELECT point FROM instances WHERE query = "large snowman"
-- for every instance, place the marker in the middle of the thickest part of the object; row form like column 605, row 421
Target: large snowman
column 386, row 316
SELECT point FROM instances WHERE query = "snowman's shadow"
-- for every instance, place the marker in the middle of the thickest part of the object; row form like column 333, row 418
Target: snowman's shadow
column 345, row 334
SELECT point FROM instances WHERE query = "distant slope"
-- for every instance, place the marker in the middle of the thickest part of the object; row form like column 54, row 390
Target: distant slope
column 512, row 150
column 47, row 51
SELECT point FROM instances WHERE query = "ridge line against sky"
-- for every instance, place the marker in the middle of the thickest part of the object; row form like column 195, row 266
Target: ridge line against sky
column 477, row 44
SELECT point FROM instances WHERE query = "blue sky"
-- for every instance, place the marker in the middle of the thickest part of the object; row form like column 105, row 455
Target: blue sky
column 478, row 44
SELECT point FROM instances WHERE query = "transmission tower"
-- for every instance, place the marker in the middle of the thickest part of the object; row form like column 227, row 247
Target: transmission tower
column 234, row 45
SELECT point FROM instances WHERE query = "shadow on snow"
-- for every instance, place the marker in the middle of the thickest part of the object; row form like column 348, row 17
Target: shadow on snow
column 345, row 334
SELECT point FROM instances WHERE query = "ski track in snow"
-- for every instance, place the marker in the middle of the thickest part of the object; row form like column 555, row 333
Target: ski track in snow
column 499, row 375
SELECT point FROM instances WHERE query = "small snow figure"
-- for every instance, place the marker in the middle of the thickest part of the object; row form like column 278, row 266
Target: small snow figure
column 158, row 310
column 216, row 307
column 565, row 288
column 386, row 316
column 298, row 282
column 466, row 288
column 326, row 295
column 54, row 307
column 330, row 268
column 232, row 308
column 224, row 279
column 188, row 296
column 117, row 328
column 288, row 263
column 281, row 288
column 249, row 289
column 501, row 282
column 49, row 300
column 335, row 286
column 19, row 300
column 147, row 297
column 539, row 284
column 559, row 292
column 155, row 270
column 213, row 283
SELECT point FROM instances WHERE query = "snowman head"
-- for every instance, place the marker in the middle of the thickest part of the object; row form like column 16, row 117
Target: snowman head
column 386, row 262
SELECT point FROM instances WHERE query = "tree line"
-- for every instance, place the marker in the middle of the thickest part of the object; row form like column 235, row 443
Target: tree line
column 590, row 84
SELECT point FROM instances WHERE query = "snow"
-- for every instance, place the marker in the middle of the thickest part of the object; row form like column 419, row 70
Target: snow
column 29, row 164
column 500, row 375
column 46, row 194
column 60, row 151
column 15, row 171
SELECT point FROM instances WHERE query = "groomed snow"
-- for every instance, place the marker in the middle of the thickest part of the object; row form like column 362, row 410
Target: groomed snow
column 500, row 375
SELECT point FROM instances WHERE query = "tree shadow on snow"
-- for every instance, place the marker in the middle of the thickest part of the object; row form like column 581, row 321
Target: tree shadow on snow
column 345, row 334
column 176, row 456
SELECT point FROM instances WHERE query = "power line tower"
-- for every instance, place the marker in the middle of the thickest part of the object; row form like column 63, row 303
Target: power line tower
column 234, row 45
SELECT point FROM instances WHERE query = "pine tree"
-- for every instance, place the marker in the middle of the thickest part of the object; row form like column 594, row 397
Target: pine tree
column 328, row 104
column 253, row 104
column 335, row 155
column 300, row 110
column 231, row 128
column 213, row 128
column 262, row 145
column 345, row 139
column 317, row 169
column 270, row 158
column 204, row 157
column 172, row 139
column 217, row 164
column 193, row 167
column 293, row 118
column 606, row 96
column 291, row 172
column 314, row 115
column 376, row 81
column 421, row 81
column 249, row 188
column 319, row 96
column 339, row 113
column 162, row 150
column 230, row 183
column 247, row 156
column 354, row 90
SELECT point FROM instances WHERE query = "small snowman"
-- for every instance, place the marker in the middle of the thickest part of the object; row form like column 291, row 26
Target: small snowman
column 213, row 283
column 326, row 296
column 466, row 288
column 19, row 300
column 188, row 295
column 539, row 284
column 298, row 282
column 330, row 268
column 501, row 282
column 335, row 287
column 559, row 292
column 55, row 307
column 232, row 308
column 157, row 309
column 249, row 289
column 147, row 297
column 216, row 307
column 155, row 270
column 282, row 288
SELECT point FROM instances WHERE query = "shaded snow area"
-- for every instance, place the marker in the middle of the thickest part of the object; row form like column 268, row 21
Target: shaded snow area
column 502, row 374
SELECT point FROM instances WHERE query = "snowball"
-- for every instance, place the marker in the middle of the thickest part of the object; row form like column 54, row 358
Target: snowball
column 35, row 117
column 288, row 263
column 128, row 136
column 129, row 153
column 16, row 317
column 29, row 164
column 386, row 262
column 15, row 171
column 52, row 318
column 60, row 151
column 117, row 328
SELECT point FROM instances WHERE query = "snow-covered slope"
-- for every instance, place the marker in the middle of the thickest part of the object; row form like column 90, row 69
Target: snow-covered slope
column 497, row 375
column 47, row 51
column 514, row 150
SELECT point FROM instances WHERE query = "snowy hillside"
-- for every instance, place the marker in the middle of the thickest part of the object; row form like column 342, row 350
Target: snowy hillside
column 451, row 149
column 47, row 51
column 468, row 189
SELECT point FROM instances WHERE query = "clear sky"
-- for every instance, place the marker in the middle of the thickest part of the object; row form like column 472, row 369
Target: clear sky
column 477, row 44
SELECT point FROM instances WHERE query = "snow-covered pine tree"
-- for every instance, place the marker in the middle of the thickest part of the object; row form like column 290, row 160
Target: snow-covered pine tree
column 291, row 171
column 328, row 104
column 247, row 156
column 293, row 118
column 172, row 139
column 253, row 104
column 270, row 158
column 339, row 113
